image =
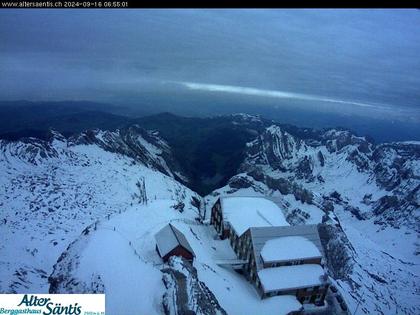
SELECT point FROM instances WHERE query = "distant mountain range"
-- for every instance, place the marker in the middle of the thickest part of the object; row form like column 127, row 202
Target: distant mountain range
column 24, row 118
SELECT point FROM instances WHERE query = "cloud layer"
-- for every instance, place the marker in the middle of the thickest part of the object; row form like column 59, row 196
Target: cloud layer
column 270, row 93
column 366, row 59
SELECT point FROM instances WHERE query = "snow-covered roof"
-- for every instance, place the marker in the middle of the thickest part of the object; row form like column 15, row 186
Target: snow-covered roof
column 170, row 237
column 291, row 277
column 289, row 248
column 245, row 212
column 260, row 236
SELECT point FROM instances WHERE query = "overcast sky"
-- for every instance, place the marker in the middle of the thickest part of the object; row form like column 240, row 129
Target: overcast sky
column 352, row 59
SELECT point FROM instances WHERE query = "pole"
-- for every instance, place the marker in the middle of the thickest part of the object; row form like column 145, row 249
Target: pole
column 358, row 303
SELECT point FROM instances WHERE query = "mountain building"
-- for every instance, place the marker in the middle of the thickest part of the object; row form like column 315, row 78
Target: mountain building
column 172, row 242
column 232, row 216
column 279, row 259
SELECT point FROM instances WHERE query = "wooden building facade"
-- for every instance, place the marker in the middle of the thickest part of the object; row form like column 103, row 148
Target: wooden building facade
column 172, row 242
column 216, row 219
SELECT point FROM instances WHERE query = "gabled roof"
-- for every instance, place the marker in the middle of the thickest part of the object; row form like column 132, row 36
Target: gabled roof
column 245, row 212
column 291, row 277
column 169, row 238
column 260, row 236
column 289, row 248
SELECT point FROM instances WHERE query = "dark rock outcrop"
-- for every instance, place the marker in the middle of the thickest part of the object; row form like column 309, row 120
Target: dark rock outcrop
column 143, row 146
column 186, row 294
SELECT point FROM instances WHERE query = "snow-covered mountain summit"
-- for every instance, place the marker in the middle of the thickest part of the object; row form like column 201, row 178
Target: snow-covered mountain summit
column 61, row 198
column 144, row 146
column 52, row 189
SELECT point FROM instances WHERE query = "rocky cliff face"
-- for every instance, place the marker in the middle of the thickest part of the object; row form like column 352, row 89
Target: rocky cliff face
column 366, row 196
column 144, row 146
column 33, row 150
column 186, row 294
column 275, row 148
column 289, row 164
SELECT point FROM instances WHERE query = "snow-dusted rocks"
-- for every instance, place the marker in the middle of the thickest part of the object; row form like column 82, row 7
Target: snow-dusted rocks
column 75, row 219
column 54, row 195
column 143, row 146
column 53, row 192
column 276, row 148
column 366, row 195
column 185, row 293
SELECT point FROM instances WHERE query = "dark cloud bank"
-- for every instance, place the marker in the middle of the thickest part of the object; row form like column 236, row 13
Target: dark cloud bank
column 311, row 67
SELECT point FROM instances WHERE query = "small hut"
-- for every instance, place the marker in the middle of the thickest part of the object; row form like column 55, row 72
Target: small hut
column 172, row 242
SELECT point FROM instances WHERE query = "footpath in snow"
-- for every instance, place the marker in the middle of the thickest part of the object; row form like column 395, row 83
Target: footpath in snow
column 129, row 265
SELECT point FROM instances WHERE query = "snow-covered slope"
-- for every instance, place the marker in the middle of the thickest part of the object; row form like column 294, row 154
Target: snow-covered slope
column 51, row 190
column 79, row 215
column 127, row 256
column 135, row 142
column 368, row 197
